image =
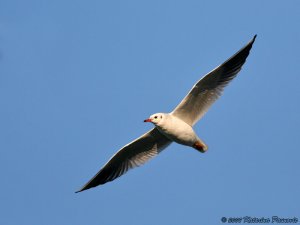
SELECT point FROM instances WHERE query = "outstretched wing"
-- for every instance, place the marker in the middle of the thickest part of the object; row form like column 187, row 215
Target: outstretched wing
column 207, row 90
column 131, row 155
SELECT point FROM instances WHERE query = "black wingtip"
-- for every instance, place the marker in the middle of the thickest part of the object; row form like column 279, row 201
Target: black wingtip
column 253, row 39
column 82, row 189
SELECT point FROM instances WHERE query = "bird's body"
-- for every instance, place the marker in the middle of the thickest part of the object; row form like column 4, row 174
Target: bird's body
column 176, row 129
column 176, row 126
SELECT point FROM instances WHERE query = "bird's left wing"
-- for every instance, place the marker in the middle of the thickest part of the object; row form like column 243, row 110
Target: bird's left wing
column 207, row 90
column 131, row 155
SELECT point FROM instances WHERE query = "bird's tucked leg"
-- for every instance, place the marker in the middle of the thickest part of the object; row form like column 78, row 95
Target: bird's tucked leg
column 200, row 146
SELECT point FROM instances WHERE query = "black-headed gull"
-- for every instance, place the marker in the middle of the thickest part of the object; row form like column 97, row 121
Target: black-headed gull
column 176, row 126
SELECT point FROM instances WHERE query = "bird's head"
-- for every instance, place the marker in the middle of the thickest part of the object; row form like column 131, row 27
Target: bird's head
column 156, row 118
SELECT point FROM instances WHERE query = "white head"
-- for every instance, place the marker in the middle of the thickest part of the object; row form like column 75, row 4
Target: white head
column 156, row 118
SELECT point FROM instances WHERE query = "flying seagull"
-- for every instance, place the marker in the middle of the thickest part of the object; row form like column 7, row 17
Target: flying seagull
column 176, row 126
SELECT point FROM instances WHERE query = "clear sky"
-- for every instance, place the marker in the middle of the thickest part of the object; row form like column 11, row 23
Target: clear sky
column 77, row 78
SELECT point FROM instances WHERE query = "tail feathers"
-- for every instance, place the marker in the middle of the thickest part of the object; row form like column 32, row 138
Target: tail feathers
column 200, row 146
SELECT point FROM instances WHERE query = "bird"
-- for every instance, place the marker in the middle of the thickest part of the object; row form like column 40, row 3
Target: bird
column 176, row 126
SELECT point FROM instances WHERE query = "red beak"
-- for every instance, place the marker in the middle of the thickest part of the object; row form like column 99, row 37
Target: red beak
column 148, row 120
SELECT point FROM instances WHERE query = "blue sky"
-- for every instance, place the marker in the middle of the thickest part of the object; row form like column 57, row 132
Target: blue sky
column 77, row 78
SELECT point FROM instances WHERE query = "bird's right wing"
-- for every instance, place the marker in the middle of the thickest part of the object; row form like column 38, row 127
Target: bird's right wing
column 131, row 155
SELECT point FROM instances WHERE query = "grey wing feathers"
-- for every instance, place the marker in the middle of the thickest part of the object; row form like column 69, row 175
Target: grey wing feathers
column 131, row 155
column 207, row 90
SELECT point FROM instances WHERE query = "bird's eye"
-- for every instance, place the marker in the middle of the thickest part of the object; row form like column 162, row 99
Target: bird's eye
column 161, row 117
column 155, row 117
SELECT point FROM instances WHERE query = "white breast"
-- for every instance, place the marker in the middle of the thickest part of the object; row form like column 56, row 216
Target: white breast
column 177, row 130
